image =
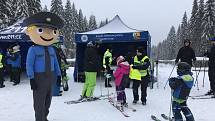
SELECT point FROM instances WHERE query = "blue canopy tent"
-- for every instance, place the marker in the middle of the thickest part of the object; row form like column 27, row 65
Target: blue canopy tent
column 122, row 39
column 15, row 34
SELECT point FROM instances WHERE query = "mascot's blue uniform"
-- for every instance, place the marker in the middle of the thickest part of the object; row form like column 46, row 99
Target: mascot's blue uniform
column 41, row 65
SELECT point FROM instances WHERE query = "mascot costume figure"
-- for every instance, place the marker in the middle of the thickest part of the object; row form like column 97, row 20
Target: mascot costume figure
column 41, row 65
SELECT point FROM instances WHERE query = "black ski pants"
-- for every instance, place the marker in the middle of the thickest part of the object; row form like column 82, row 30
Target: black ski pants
column 144, row 84
column 181, row 107
column 211, row 74
column 16, row 75
column 1, row 77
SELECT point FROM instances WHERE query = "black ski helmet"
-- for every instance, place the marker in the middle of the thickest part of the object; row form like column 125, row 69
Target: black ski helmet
column 183, row 68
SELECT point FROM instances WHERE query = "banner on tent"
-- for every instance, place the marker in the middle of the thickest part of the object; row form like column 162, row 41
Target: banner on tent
column 20, row 37
column 113, row 37
column 14, row 37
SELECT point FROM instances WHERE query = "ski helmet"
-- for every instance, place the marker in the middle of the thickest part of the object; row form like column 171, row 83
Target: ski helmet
column 120, row 59
column 183, row 68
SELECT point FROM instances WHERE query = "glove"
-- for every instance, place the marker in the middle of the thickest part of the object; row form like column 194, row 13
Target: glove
column 172, row 82
column 172, row 79
column 33, row 84
column 58, row 80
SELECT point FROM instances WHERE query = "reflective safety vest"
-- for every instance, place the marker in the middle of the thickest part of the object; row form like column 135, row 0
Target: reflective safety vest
column 136, row 62
column 1, row 64
column 107, row 54
column 134, row 73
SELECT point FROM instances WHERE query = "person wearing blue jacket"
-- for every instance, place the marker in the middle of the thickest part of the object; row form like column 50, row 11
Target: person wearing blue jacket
column 181, row 87
column 8, row 63
column 41, row 65
column 15, row 64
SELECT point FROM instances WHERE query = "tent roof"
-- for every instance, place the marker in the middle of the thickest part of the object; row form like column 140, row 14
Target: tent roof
column 115, row 31
column 13, row 29
column 116, row 25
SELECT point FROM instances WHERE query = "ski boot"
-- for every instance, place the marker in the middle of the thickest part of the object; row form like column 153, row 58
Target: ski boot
column 210, row 92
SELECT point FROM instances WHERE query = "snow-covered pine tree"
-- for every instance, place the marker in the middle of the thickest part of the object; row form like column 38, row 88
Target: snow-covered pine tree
column 68, row 28
column 92, row 23
column 57, row 7
column 106, row 21
column 199, row 25
column 80, row 21
column 85, row 24
column 178, row 38
column 193, row 26
column 208, row 21
column 74, row 20
column 45, row 9
column 102, row 23
column 171, row 40
column 184, row 28
column 5, row 8
column 34, row 6
column 20, row 8
column 37, row 6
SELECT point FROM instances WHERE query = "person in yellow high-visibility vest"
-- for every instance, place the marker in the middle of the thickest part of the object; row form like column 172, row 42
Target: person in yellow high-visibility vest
column 139, row 74
column 107, row 60
column 1, row 70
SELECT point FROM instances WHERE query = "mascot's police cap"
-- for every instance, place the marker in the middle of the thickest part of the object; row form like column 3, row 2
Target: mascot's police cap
column 46, row 19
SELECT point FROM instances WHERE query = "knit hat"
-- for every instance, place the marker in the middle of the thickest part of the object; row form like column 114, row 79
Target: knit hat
column 119, row 60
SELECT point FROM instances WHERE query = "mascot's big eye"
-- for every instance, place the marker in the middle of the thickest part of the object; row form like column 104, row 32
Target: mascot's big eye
column 54, row 32
column 39, row 30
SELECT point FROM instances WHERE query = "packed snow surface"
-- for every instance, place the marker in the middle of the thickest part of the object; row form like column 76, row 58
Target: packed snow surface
column 16, row 102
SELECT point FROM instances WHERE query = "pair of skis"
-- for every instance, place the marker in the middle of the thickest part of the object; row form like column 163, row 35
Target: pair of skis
column 121, row 109
column 204, row 96
column 164, row 116
column 89, row 99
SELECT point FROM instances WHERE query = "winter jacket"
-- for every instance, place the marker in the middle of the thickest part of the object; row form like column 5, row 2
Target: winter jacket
column 35, row 62
column 211, row 56
column 122, row 69
column 1, row 60
column 8, row 58
column 15, row 60
column 181, row 87
column 142, row 64
column 91, row 60
column 107, row 58
column 186, row 54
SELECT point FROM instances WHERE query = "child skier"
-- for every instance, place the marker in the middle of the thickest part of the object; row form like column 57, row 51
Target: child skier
column 121, row 77
column 181, row 87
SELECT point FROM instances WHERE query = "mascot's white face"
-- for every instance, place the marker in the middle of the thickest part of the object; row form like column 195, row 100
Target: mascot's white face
column 42, row 35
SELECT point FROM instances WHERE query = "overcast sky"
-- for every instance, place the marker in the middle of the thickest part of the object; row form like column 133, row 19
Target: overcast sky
column 156, row 16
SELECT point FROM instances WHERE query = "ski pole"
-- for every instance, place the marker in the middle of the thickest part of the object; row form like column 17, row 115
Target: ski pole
column 203, row 83
column 197, row 74
column 196, row 82
column 170, row 107
column 100, row 77
column 169, row 76
column 157, row 73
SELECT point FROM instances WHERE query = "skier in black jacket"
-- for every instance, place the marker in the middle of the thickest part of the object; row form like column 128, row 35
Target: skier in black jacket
column 91, row 67
column 211, row 68
column 186, row 53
